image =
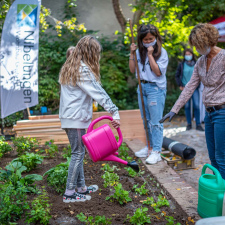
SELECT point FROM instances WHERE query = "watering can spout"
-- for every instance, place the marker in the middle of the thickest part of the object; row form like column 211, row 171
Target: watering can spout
column 134, row 166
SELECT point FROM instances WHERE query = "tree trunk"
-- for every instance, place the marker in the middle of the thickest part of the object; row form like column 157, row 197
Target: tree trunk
column 119, row 14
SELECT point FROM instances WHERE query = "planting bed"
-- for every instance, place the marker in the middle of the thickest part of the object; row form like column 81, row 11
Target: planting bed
column 63, row 213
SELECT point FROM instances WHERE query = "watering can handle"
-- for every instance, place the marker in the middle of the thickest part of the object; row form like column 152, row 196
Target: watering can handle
column 216, row 172
column 90, row 128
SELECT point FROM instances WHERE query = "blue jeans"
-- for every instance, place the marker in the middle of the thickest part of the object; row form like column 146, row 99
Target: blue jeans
column 215, row 139
column 154, row 102
column 187, row 107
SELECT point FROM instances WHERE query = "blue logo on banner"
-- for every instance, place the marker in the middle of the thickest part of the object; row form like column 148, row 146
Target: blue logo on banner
column 27, row 15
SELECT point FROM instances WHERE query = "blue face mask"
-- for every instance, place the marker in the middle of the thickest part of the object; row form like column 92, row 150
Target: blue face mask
column 188, row 57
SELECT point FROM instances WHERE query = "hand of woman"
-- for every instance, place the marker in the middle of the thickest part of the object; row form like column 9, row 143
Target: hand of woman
column 115, row 123
column 133, row 48
column 150, row 50
column 181, row 88
column 169, row 115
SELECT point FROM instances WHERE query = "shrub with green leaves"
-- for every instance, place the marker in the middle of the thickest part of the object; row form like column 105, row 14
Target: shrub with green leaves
column 120, row 195
column 13, row 202
column 57, row 176
column 40, row 209
column 98, row 220
column 13, row 175
column 67, row 152
column 140, row 217
column 142, row 190
column 24, row 144
column 4, row 146
column 162, row 201
column 30, row 160
column 52, row 148
column 110, row 179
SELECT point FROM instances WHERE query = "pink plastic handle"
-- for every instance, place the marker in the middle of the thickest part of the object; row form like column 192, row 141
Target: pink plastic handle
column 90, row 128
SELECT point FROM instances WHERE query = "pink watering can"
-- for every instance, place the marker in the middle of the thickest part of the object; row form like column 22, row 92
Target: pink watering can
column 102, row 145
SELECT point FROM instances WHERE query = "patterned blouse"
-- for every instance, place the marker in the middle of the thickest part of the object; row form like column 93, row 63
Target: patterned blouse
column 213, row 81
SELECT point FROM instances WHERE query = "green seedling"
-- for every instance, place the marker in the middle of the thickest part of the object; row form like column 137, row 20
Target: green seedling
column 110, row 179
column 142, row 190
column 140, row 217
column 4, row 146
column 66, row 152
column 52, row 148
column 120, row 195
column 108, row 168
column 132, row 173
column 30, row 160
column 171, row 221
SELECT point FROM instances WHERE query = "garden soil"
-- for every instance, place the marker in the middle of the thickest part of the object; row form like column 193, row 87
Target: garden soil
column 65, row 213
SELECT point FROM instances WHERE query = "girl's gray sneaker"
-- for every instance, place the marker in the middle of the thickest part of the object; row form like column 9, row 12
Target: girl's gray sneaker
column 76, row 197
column 90, row 189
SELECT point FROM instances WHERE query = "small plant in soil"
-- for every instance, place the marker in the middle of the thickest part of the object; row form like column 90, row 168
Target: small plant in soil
column 98, row 220
column 162, row 201
column 171, row 221
column 142, row 190
column 110, row 179
column 40, row 209
column 108, row 168
column 66, row 152
column 132, row 173
column 13, row 175
column 24, row 144
column 120, row 195
column 140, row 217
column 30, row 160
column 52, row 148
column 4, row 146
column 57, row 176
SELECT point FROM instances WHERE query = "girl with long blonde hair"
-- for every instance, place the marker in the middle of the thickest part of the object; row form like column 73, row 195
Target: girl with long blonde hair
column 80, row 84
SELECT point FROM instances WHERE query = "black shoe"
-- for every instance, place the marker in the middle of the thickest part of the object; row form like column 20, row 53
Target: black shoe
column 76, row 198
column 199, row 127
column 189, row 127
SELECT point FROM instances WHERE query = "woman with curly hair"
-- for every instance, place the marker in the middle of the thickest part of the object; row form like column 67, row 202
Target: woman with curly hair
column 183, row 75
column 210, row 70
column 152, row 64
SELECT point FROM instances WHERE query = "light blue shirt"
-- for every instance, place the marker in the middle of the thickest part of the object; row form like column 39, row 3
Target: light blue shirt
column 147, row 74
column 187, row 73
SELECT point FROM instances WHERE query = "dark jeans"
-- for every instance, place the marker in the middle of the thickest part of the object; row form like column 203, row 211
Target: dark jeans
column 187, row 107
column 215, row 139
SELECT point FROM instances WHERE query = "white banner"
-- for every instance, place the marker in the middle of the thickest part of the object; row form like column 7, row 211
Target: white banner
column 19, row 57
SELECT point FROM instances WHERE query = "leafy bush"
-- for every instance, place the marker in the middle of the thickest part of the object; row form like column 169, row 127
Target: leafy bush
column 110, row 179
column 40, row 209
column 24, row 144
column 67, row 152
column 57, row 176
column 11, row 120
column 120, row 195
column 4, row 146
column 30, row 160
column 52, row 148
column 140, row 217
column 13, row 175
column 13, row 203
column 98, row 220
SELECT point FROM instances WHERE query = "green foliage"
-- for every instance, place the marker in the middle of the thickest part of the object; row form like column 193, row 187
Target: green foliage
column 11, row 120
column 120, row 195
column 40, row 209
column 4, row 146
column 30, row 160
column 98, row 220
column 162, row 201
column 140, row 217
column 24, row 144
column 132, row 173
column 13, row 202
column 67, row 152
column 171, row 220
column 108, row 168
column 13, row 175
column 52, row 148
column 57, row 176
column 123, row 151
column 110, row 179
column 142, row 190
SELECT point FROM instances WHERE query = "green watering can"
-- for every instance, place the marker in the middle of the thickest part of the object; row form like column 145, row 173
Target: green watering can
column 210, row 193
